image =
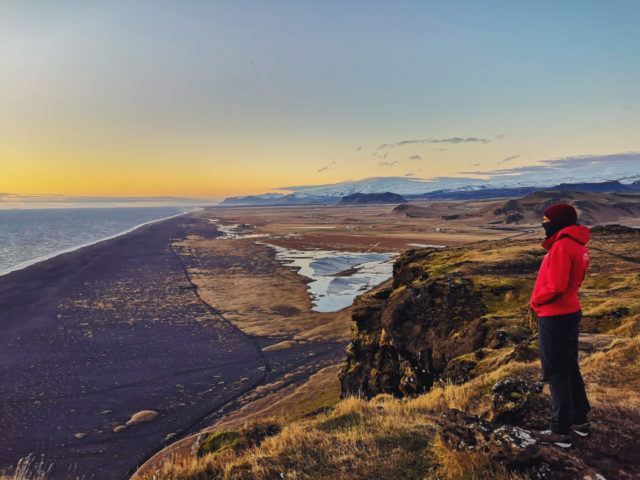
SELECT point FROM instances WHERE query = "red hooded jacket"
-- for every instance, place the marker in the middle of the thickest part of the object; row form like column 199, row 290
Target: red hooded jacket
column 561, row 273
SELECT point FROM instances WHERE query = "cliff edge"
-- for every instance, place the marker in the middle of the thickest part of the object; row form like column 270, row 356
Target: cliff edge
column 441, row 379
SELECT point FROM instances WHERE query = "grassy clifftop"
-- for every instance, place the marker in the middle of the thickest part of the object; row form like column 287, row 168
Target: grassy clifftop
column 441, row 379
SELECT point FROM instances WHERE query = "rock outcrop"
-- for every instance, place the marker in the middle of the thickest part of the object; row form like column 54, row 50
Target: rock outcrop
column 406, row 335
column 519, row 402
column 510, row 445
column 614, row 229
column 236, row 440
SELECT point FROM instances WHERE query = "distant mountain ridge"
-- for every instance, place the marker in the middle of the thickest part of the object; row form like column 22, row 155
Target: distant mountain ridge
column 610, row 186
column 594, row 208
column 275, row 199
column 458, row 190
column 372, row 198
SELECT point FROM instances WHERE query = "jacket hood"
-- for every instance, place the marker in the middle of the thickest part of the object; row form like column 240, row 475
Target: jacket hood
column 578, row 233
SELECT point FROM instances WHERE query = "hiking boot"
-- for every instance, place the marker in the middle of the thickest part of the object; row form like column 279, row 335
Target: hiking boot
column 582, row 429
column 549, row 438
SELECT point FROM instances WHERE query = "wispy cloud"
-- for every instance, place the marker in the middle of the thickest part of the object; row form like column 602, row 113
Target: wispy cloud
column 452, row 140
column 508, row 159
column 383, row 147
column 328, row 166
column 388, row 164
column 415, row 157
column 628, row 108
column 604, row 164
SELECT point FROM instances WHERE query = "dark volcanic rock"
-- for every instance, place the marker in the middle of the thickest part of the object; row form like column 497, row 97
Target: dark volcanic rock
column 519, row 402
column 503, row 337
column 404, row 339
column 505, row 444
column 514, row 218
column 614, row 229
column 513, row 446
column 459, row 430
column 367, row 198
column 524, row 352
column 407, row 268
column 460, row 369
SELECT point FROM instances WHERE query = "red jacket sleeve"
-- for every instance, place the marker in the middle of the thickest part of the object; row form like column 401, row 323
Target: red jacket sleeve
column 558, row 275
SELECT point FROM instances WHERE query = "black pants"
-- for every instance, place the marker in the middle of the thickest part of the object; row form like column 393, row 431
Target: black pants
column 558, row 346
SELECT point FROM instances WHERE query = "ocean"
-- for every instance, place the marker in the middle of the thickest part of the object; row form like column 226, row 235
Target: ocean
column 32, row 235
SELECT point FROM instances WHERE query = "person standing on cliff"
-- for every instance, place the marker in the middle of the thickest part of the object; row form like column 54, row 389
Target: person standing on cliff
column 555, row 301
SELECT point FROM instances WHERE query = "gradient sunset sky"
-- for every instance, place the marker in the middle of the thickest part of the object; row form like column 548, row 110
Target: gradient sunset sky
column 217, row 98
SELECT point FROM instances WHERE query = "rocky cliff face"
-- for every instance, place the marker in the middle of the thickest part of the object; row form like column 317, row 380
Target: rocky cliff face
column 406, row 335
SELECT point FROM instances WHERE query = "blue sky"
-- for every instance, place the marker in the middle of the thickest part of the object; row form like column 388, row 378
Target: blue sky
column 216, row 98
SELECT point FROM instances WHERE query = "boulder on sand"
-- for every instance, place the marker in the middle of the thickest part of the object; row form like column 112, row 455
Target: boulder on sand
column 141, row 417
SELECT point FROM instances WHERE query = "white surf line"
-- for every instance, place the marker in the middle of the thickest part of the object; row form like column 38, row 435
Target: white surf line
column 43, row 258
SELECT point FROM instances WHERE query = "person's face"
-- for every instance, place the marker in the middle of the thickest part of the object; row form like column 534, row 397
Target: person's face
column 549, row 228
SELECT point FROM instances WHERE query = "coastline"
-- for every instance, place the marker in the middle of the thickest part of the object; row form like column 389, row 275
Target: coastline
column 90, row 337
column 44, row 258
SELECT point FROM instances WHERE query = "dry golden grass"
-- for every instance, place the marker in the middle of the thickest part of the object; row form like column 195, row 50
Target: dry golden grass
column 322, row 390
column 252, row 289
column 357, row 440
column 613, row 377
column 464, row 465
column 27, row 468
column 628, row 328
column 388, row 437
column 473, row 396
column 382, row 438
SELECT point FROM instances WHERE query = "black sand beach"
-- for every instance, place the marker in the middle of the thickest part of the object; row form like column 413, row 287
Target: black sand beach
column 91, row 337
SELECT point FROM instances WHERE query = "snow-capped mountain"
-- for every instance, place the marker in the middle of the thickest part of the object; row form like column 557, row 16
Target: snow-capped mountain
column 624, row 167
column 399, row 185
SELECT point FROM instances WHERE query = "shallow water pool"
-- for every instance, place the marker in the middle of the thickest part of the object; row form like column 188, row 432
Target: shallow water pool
column 337, row 277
